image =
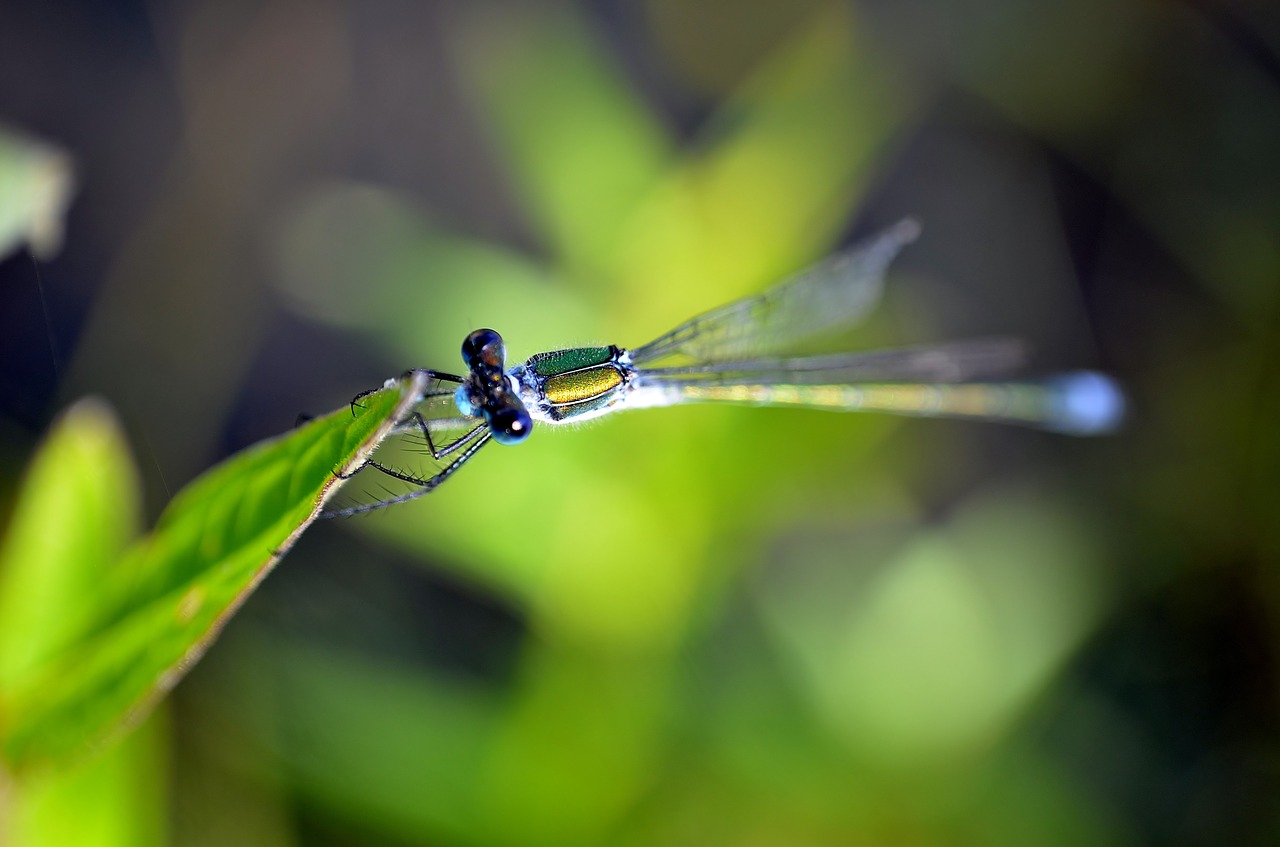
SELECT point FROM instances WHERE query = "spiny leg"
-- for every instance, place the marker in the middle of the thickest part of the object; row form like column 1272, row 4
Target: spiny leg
column 452, row 447
column 438, row 453
column 439, row 376
column 416, row 417
column 425, row 486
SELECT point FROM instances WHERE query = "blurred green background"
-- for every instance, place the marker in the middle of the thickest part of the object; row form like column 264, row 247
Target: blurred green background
column 696, row 626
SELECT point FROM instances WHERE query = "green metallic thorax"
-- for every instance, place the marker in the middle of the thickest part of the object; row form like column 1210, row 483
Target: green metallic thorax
column 577, row 382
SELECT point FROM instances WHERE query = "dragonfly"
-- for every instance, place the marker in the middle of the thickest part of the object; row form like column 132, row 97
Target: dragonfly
column 737, row 353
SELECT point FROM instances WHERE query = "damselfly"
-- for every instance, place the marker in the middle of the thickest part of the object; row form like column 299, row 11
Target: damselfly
column 733, row 354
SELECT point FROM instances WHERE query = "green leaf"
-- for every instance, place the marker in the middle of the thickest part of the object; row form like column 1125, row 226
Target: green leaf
column 361, row 257
column 933, row 644
column 579, row 143
column 158, row 609
column 36, row 183
column 77, row 511
column 118, row 799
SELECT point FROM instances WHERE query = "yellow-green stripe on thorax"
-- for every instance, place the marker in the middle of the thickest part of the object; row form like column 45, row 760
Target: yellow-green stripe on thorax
column 578, row 381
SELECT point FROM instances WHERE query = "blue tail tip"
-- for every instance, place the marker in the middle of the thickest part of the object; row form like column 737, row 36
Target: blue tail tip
column 1088, row 403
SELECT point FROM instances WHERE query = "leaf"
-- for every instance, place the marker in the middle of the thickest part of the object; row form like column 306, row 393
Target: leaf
column 360, row 257
column 579, row 143
column 118, row 799
column 77, row 511
column 163, row 603
column 936, row 640
column 36, row 183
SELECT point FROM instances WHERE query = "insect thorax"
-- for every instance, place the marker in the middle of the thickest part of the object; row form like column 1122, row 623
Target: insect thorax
column 573, row 384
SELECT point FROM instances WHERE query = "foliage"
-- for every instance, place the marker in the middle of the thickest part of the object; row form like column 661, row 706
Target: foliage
column 36, row 183
column 698, row 625
column 95, row 626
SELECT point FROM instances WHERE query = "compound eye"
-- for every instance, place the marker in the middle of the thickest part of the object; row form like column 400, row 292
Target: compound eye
column 510, row 424
column 484, row 346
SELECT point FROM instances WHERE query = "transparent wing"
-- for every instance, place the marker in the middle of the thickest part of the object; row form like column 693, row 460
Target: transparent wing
column 836, row 292
column 432, row 442
column 954, row 362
